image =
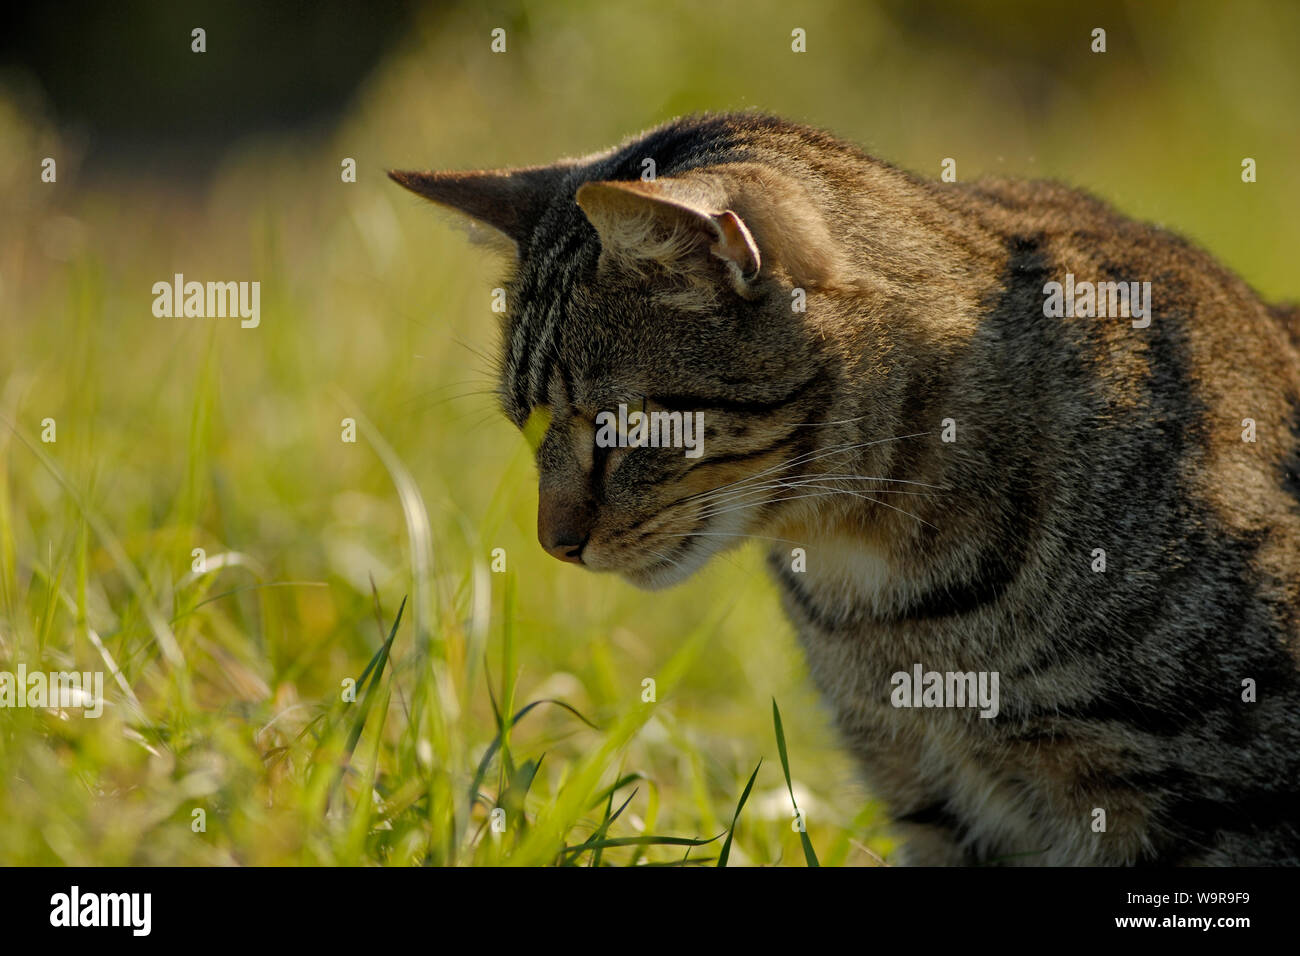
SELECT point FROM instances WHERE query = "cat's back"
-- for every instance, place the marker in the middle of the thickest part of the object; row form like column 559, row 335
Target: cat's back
column 1207, row 359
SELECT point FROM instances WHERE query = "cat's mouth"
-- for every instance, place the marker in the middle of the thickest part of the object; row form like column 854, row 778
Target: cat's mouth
column 664, row 557
column 650, row 545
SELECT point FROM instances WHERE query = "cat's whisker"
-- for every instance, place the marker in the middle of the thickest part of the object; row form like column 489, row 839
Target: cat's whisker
column 736, row 493
column 821, row 476
column 759, row 496
column 842, row 421
column 901, row 511
column 679, row 565
column 849, row 491
column 820, row 494
column 493, row 363
column 813, row 480
column 815, row 455
column 487, row 387
column 799, row 459
column 663, row 557
column 901, row 481
column 743, row 491
column 451, row 398
column 725, row 534
column 750, row 505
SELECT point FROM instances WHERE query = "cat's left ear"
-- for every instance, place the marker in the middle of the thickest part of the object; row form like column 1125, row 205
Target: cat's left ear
column 653, row 221
column 510, row 201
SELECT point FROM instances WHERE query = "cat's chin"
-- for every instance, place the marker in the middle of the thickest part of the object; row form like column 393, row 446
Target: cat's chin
column 663, row 574
column 656, row 578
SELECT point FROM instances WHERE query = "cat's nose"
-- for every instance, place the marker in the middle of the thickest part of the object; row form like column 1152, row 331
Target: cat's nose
column 563, row 525
column 566, row 549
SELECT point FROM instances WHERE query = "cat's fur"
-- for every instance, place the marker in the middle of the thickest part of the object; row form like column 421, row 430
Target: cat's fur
column 1121, row 690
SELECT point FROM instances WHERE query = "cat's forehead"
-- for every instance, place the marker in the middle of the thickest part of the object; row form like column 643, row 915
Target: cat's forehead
column 551, row 311
column 580, row 340
column 585, row 332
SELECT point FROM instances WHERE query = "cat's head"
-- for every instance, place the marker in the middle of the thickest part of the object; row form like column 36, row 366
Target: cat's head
column 680, row 295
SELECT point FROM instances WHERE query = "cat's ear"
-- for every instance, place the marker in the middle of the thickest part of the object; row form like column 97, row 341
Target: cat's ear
column 658, row 221
column 510, row 201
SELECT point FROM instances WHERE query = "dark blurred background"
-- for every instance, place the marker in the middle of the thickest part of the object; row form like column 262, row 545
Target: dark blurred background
column 124, row 75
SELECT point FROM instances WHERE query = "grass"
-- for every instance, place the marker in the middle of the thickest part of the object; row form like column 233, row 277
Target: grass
column 208, row 755
column 348, row 677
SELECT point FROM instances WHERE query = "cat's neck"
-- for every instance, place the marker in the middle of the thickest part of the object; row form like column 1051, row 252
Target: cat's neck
column 895, row 523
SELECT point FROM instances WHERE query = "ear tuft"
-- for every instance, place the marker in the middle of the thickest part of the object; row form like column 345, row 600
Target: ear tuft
column 669, row 223
column 736, row 245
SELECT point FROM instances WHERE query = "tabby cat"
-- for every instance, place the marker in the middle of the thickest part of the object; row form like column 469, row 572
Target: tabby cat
column 953, row 473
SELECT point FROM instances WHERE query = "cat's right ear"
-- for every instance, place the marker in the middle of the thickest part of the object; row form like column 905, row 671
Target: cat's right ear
column 509, row 201
column 671, row 222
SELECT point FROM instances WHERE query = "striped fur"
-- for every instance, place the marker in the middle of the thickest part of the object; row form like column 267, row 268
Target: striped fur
column 1121, row 690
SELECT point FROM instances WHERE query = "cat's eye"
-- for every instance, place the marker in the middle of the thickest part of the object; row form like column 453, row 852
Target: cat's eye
column 607, row 456
column 604, row 454
column 610, row 461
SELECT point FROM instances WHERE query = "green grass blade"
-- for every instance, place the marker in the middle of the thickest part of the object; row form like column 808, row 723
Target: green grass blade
column 483, row 764
column 616, row 786
column 367, row 701
column 808, row 853
column 594, row 841
column 642, row 841
column 726, row 847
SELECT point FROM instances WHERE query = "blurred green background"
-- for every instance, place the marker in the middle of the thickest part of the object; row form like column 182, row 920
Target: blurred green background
column 175, row 434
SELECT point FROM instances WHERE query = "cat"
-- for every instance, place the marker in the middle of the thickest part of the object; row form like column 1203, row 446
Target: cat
column 955, row 471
